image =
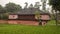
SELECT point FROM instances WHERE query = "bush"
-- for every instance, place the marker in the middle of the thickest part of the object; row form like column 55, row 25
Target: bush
column 3, row 16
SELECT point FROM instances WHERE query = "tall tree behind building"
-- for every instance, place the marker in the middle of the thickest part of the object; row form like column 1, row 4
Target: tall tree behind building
column 12, row 7
column 56, row 6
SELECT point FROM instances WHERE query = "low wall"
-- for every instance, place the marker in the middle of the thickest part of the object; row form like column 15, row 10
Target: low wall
column 3, row 21
column 24, row 22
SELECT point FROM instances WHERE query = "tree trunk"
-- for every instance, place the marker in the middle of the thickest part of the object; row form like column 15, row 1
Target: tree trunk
column 56, row 18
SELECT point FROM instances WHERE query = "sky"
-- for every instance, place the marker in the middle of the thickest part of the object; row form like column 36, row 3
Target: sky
column 21, row 2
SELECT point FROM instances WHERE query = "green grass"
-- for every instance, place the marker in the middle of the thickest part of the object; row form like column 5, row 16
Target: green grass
column 24, row 29
column 51, row 22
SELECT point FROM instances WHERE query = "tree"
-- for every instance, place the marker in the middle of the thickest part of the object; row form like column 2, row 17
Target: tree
column 1, row 8
column 2, row 11
column 12, row 7
column 37, row 16
column 56, row 6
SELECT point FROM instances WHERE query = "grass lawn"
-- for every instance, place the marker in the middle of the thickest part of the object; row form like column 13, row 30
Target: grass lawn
column 51, row 22
column 24, row 29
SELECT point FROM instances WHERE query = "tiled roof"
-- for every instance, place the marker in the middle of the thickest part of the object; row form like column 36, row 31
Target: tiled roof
column 29, row 11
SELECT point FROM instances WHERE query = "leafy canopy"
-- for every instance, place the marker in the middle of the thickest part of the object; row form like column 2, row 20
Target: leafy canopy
column 55, row 4
column 12, row 7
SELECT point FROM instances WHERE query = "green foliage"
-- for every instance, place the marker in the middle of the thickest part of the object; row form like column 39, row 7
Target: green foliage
column 37, row 14
column 4, row 16
column 12, row 7
column 58, row 21
column 1, row 9
column 55, row 4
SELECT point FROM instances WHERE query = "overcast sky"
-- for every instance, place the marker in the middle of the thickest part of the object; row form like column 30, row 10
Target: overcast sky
column 19, row 2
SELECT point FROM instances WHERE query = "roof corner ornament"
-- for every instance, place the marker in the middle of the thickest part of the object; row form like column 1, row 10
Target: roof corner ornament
column 37, row 5
column 26, row 5
column 31, row 6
